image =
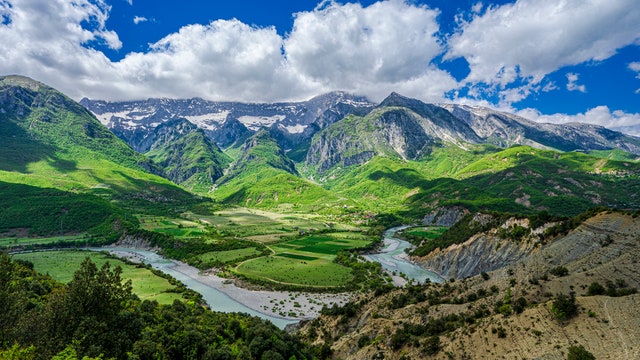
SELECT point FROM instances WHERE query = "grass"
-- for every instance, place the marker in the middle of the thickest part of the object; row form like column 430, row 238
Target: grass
column 24, row 241
column 316, row 273
column 62, row 264
column 307, row 261
column 177, row 227
column 229, row 256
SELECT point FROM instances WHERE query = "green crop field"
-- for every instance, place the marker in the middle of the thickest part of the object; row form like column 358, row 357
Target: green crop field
column 307, row 261
column 62, row 264
column 180, row 228
column 229, row 256
column 25, row 241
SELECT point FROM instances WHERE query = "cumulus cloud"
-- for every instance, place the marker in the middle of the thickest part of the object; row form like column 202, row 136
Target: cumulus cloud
column 601, row 115
column 138, row 19
column 635, row 66
column 387, row 45
column 529, row 39
column 572, row 83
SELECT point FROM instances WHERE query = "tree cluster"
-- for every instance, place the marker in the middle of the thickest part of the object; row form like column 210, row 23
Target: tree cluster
column 96, row 315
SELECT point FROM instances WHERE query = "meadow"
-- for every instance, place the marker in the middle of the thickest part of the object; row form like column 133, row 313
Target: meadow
column 14, row 241
column 62, row 264
column 307, row 261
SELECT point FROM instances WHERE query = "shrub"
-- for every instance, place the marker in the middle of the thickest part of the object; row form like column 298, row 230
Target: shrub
column 564, row 307
column 595, row 289
column 579, row 353
column 559, row 271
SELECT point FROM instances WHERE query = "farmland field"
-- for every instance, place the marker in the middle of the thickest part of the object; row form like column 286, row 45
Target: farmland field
column 24, row 241
column 62, row 264
column 229, row 256
column 180, row 228
column 262, row 226
column 307, row 261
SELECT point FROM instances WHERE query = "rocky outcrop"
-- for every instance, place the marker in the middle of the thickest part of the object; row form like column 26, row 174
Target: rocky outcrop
column 481, row 253
column 445, row 216
column 504, row 130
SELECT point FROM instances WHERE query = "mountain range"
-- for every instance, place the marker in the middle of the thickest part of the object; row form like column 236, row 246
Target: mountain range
column 399, row 151
column 332, row 153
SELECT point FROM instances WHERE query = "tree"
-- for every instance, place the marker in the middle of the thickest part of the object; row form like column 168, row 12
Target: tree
column 95, row 312
column 579, row 353
column 564, row 306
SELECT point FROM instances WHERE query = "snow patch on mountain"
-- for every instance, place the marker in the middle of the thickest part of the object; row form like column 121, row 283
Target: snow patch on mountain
column 256, row 122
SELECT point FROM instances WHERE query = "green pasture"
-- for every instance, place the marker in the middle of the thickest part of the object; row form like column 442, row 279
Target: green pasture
column 229, row 256
column 317, row 273
column 9, row 242
column 180, row 228
column 62, row 264
column 306, row 261
column 260, row 224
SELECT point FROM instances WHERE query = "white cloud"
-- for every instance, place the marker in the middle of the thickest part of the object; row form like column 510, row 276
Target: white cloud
column 374, row 50
column 138, row 19
column 601, row 115
column 572, row 83
column 477, row 7
column 531, row 38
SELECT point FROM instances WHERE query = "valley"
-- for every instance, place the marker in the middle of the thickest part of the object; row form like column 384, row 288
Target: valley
column 400, row 229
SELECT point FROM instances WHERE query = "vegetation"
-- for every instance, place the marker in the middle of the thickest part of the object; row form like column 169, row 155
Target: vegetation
column 146, row 283
column 96, row 315
column 579, row 353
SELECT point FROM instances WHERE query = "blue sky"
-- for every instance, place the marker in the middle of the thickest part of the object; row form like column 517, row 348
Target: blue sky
column 548, row 60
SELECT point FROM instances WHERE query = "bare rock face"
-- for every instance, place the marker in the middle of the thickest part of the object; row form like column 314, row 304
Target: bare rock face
column 444, row 216
column 504, row 130
column 481, row 253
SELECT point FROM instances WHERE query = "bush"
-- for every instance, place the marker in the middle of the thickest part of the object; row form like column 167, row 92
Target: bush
column 559, row 271
column 595, row 289
column 564, row 307
column 579, row 353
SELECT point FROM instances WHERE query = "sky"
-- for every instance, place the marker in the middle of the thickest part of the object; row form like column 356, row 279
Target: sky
column 548, row 60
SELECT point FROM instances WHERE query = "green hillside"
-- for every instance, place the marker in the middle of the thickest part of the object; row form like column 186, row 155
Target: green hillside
column 264, row 177
column 51, row 142
column 190, row 159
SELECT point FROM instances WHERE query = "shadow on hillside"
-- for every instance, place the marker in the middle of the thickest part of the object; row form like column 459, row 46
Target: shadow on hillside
column 20, row 149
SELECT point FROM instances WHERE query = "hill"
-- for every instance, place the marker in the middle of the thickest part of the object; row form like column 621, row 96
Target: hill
column 50, row 141
column 577, row 289
column 187, row 156
column 264, row 177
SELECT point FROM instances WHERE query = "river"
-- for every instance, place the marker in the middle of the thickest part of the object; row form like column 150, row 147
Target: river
column 216, row 299
column 393, row 258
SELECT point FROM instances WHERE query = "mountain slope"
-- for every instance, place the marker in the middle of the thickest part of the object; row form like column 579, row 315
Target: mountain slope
column 263, row 176
column 226, row 122
column 50, row 141
column 504, row 129
column 399, row 127
column 187, row 155
column 513, row 312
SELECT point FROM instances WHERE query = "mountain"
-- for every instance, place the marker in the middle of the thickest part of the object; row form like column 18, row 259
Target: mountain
column 542, row 300
column 263, row 176
column 187, row 156
column 226, row 122
column 504, row 130
column 50, row 141
column 398, row 127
